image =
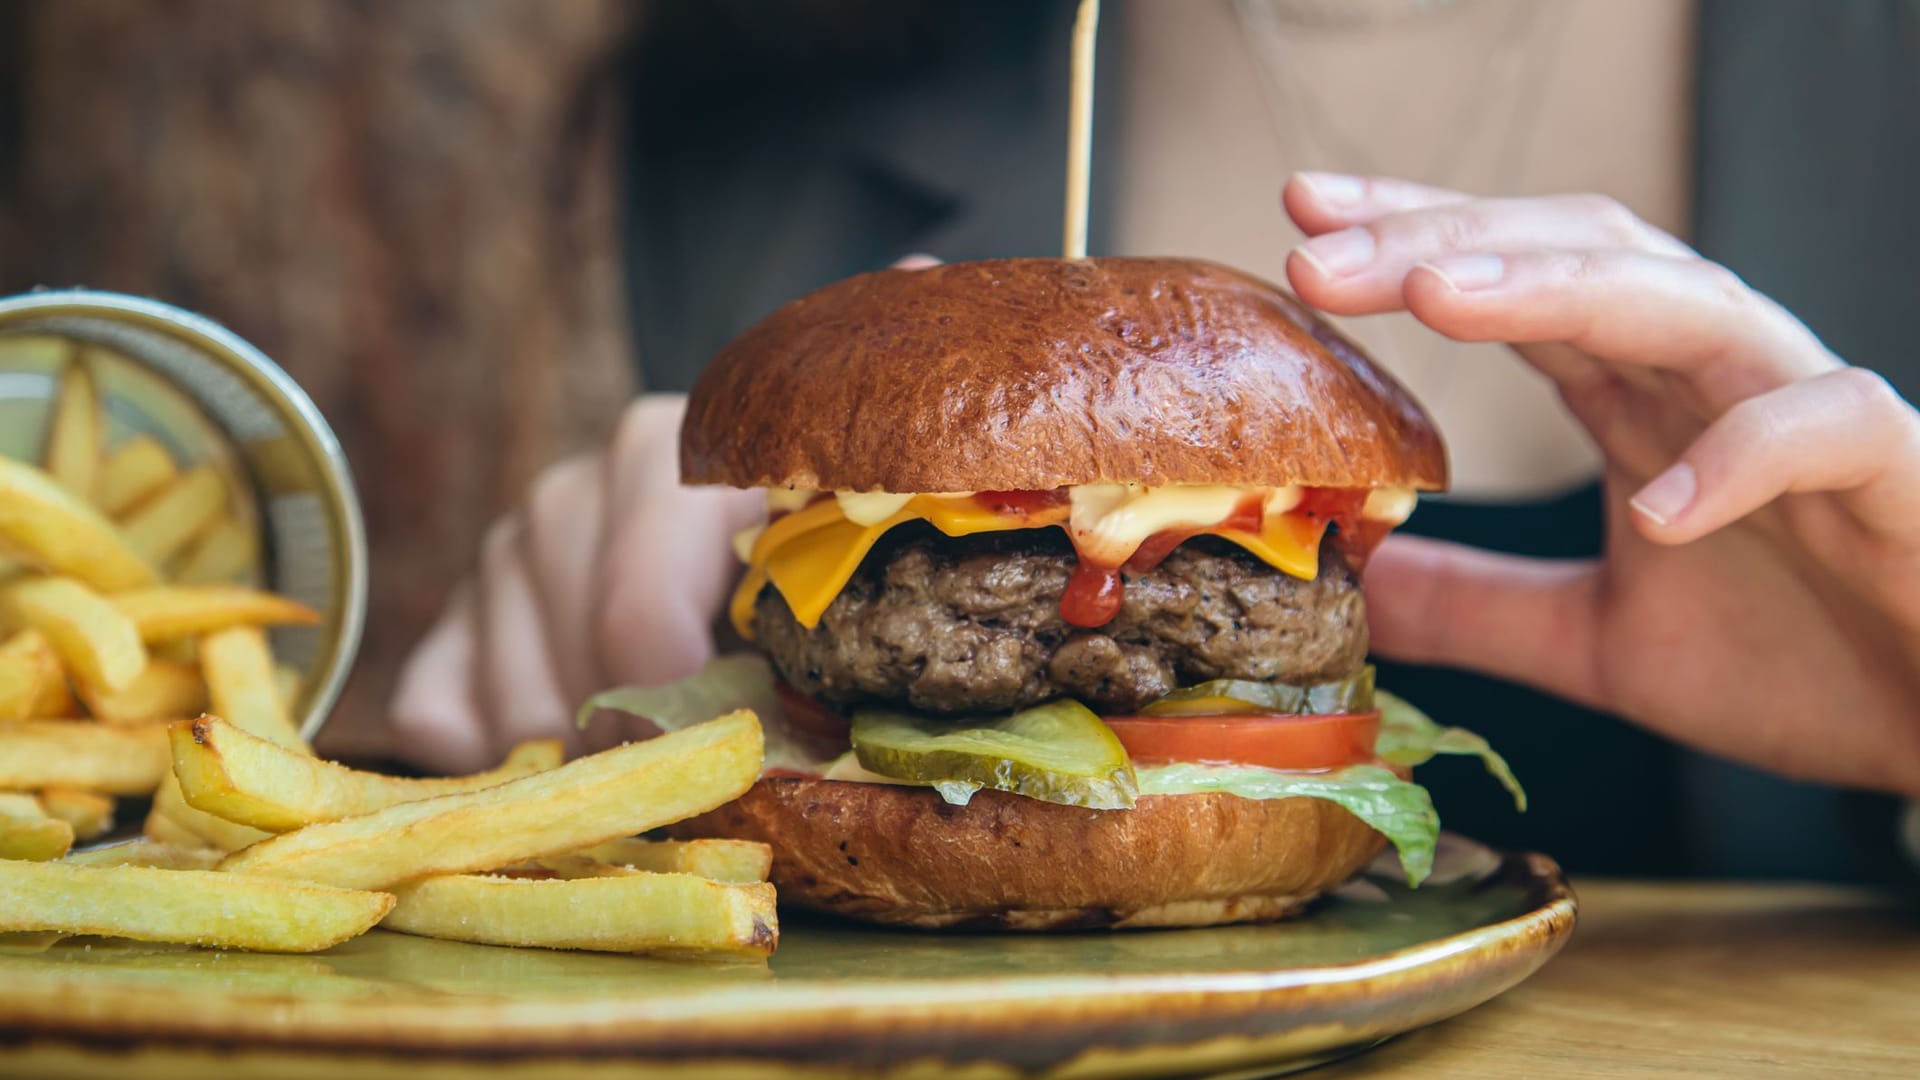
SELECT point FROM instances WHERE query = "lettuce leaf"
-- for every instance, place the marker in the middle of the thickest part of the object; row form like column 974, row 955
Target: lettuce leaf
column 1400, row 810
column 1409, row 737
column 739, row 681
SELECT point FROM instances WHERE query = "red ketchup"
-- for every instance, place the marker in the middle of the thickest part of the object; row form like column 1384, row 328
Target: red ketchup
column 1356, row 535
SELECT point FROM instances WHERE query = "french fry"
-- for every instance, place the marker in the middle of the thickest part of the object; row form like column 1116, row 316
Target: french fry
column 589, row 800
column 735, row 861
column 191, row 907
column 168, row 612
column 166, row 523
column 147, row 852
column 173, row 820
column 161, row 829
column 27, row 656
column 229, row 551
column 631, row 913
column 238, row 668
column 164, row 690
column 73, row 437
column 133, row 473
column 47, row 526
column 107, row 758
column 27, row 832
column 88, row 812
column 287, row 681
column 244, row 778
column 93, row 639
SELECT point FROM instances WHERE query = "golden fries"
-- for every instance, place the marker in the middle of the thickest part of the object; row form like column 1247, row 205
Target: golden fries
column 90, row 635
column 191, row 907
column 32, row 683
column 164, row 524
column 148, row 852
column 117, row 760
column 89, row 813
column 238, row 668
column 619, row 792
column 227, row 552
column 167, row 612
column 164, row 690
column 243, row 778
column 736, row 861
column 26, row 832
column 73, row 437
column 174, row 821
column 132, row 473
column 50, row 528
column 637, row 912
column 288, row 683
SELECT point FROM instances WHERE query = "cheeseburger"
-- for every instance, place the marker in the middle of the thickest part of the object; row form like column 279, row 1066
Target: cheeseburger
column 1059, row 596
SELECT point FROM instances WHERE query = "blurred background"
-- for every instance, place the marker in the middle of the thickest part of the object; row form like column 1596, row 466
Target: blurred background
column 473, row 230
column 409, row 206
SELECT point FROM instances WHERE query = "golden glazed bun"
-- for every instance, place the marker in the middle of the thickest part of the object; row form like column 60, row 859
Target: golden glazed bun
column 902, row 855
column 1031, row 374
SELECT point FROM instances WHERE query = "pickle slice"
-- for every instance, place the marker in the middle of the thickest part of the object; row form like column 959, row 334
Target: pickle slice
column 1059, row 752
column 1353, row 694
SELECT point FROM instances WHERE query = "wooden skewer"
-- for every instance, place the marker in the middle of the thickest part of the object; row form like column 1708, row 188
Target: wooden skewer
column 1080, row 129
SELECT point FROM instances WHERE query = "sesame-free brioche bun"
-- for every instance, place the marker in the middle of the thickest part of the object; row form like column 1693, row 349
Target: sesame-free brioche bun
column 896, row 854
column 1032, row 374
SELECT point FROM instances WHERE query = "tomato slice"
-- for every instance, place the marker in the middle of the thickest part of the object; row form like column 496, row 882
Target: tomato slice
column 812, row 719
column 1263, row 739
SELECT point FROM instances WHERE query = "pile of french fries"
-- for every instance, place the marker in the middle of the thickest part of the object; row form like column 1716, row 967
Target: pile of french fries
column 126, row 602
column 115, row 683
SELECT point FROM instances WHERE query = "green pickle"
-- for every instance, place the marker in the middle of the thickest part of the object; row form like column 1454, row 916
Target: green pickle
column 1353, row 694
column 1059, row 752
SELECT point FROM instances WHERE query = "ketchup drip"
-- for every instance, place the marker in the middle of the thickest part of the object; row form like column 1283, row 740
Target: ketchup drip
column 1356, row 536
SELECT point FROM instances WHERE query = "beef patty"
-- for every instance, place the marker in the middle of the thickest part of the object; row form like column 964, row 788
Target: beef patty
column 972, row 624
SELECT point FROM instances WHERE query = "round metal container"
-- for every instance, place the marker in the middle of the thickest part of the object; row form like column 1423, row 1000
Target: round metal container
column 211, row 399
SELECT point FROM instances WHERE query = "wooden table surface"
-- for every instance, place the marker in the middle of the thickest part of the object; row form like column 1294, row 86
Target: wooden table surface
column 1694, row 980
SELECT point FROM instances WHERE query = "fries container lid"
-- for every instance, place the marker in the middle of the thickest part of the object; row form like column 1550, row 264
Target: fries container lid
column 211, row 399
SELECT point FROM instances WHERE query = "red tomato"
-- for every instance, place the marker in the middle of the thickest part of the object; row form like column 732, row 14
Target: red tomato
column 812, row 719
column 1267, row 740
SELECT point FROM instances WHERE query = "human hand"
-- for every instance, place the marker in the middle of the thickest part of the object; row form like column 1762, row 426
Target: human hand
column 1759, row 594
column 611, row 572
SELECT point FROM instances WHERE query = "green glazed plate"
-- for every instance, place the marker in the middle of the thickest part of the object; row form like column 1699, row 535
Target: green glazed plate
column 837, row 1000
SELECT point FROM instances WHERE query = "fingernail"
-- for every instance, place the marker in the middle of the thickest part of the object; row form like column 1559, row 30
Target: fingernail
column 1464, row 273
column 1336, row 188
column 1338, row 254
column 1668, row 496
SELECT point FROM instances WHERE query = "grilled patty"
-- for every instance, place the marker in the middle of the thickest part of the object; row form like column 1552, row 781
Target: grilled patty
column 968, row 625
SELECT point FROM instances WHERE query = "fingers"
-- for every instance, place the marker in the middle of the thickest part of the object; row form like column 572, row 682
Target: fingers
column 514, row 681
column 565, row 518
column 1635, row 308
column 1358, row 270
column 436, row 721
column 1322, row 202
column 668, row 563
column 1846, row 431
column 916, row 261
column 1528, row 620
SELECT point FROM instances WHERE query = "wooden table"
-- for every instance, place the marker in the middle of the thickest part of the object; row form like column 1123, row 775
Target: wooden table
column 1695, row 980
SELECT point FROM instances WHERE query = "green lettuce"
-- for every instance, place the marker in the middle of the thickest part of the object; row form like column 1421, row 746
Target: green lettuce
column 1399, row 809
column 1408, row 737
column 740, row 681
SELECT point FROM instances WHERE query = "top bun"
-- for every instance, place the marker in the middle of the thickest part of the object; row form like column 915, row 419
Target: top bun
column 1032, row 374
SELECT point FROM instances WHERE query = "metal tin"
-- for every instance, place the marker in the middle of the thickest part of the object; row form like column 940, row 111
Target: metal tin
column 212, row 398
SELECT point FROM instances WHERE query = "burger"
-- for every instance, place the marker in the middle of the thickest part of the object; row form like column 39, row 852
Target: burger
column 1057, row 603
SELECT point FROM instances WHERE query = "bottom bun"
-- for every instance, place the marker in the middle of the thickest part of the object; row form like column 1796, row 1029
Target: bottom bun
column 903, row 855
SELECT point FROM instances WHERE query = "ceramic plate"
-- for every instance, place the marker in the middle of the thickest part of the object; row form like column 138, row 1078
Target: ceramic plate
column 837, row 1000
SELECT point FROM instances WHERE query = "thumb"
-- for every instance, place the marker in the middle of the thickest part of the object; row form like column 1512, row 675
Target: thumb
column 1531, row 621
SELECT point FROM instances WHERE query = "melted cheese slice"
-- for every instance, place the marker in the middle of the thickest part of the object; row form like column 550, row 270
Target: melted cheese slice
column 811, row 553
